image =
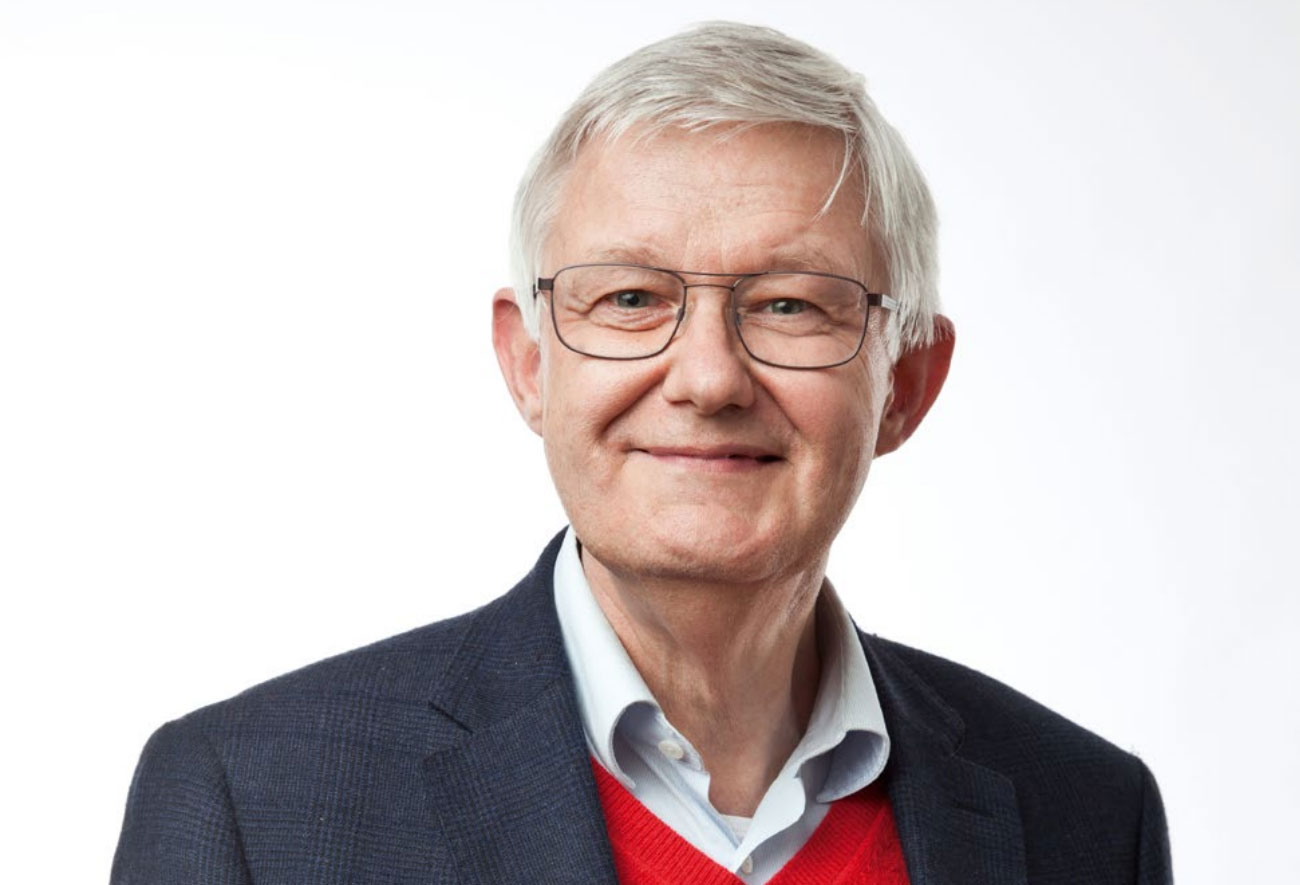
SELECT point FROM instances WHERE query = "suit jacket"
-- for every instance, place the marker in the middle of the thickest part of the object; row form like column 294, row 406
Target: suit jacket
column 455, row 753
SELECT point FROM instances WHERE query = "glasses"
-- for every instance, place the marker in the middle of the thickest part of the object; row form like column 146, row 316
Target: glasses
column 789, row 319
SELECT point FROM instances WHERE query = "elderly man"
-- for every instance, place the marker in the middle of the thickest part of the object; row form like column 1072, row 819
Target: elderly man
column 725, row 310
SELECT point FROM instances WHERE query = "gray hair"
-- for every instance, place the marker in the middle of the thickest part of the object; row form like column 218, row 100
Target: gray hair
column 726, row 73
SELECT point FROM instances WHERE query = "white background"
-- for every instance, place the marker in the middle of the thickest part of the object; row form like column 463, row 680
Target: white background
column 251, row 418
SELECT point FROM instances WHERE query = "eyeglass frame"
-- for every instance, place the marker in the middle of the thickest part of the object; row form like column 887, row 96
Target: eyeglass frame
column 874, row 299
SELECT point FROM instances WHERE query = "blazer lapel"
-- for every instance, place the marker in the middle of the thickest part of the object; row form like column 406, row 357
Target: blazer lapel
column 516, row 798
column 958, row 821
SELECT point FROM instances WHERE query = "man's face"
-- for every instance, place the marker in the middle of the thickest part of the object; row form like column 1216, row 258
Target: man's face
column 701, row 462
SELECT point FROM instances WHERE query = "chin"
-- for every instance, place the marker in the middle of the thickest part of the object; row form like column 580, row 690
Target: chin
column 712, row 549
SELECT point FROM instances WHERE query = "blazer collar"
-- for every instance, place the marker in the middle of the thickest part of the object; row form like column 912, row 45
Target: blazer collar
column 517, row 801
column 516, row 798
column 957, row 820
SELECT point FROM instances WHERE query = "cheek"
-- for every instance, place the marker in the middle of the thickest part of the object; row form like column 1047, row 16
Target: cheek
column 838, row 423
column 582, row 404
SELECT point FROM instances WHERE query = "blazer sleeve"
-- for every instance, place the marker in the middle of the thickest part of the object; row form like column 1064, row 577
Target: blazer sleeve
column 1154, row 864
column 180, row 822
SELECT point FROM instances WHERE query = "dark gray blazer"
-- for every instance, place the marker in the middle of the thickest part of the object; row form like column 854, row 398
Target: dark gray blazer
column 455, row 753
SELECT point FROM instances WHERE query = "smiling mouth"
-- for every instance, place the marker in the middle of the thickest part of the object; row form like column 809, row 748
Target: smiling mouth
column 721, row 458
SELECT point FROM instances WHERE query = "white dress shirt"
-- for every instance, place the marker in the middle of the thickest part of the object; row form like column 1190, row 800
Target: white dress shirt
column 843, row 750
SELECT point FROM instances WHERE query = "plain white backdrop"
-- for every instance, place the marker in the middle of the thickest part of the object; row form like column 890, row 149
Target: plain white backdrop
column 250, row 416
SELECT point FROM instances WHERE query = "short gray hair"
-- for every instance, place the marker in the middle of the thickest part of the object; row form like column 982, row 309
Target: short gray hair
column 722, row 73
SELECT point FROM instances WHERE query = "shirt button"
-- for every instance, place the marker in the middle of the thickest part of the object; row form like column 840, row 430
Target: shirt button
column 671, row 749
column 747, row 865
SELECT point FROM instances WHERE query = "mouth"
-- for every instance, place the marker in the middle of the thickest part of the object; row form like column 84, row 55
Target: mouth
column 725, row 458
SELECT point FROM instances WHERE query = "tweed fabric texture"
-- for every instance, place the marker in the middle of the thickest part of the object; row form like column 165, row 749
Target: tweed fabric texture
column 455, row 753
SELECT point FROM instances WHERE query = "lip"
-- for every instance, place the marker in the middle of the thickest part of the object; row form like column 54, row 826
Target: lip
column 720, row 459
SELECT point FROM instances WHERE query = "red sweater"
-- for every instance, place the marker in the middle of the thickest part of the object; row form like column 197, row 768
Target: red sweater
column 855, row 844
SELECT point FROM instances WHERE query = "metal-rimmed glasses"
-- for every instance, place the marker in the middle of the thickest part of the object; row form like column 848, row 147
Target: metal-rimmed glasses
column 788, row 319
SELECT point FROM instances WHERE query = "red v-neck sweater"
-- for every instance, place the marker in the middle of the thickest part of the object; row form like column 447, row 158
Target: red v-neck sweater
column 855, row 844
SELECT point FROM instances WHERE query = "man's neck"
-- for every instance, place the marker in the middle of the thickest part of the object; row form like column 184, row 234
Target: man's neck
column 734, row 667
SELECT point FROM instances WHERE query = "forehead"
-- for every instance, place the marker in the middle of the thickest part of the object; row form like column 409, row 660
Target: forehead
column 729, row 199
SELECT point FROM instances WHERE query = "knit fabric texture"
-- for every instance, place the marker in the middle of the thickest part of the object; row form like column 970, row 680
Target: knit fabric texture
column 855, row 844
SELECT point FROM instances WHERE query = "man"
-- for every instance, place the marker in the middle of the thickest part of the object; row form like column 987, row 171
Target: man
column 725, row 309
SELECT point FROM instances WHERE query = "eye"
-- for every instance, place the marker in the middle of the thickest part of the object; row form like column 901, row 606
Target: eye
column 631, row 298
column 787, row 306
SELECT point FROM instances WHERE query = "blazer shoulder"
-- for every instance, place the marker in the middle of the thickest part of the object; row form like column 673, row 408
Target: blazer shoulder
column 397, row 675
column 316, row 754
column 1086, row 805
column 407, row 670
column 1009, row 731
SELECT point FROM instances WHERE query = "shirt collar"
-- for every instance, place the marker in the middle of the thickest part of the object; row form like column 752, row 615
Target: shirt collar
column 846, row 717
column 607, row 681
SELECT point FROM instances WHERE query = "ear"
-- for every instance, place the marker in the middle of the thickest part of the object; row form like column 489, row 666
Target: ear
column 519, row 356
column 917, row 379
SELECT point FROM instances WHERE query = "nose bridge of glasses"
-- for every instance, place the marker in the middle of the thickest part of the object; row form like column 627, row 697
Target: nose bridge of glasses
column 730, row 287
column 692, row 305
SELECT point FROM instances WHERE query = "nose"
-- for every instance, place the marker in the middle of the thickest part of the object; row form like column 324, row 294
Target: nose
column 708, row 367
